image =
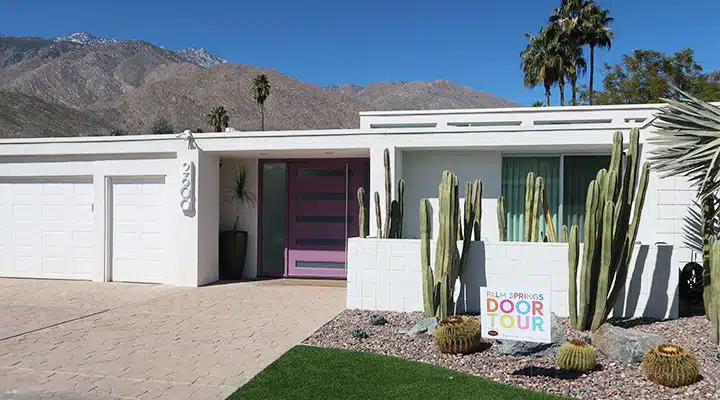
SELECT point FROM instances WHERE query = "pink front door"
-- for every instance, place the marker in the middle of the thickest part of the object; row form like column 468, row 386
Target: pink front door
column 322, row 214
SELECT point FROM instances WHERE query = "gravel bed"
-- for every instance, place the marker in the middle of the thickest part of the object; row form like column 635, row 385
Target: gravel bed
column 612, row 380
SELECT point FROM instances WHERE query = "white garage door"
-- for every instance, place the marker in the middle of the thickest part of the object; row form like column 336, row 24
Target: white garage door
column 139, row 229
column 46, row 228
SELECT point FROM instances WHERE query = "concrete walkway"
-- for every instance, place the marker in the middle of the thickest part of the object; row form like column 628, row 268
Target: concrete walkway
column 101, row 341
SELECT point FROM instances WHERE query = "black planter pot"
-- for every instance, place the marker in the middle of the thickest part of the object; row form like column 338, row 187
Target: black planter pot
column 233, row 250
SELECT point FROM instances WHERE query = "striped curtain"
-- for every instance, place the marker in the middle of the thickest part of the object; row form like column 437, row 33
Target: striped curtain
column 514, row 173
column 578, row 171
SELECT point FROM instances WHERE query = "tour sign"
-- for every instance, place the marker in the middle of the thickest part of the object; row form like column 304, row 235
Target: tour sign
column 522, row 315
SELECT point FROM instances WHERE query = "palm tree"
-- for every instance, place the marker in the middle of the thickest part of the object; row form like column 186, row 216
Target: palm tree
column 539, row 62
column 597, row 34
column 260, row 93
column 537, row 103
column 218, row 119
column 586, row 24
column 571, row 18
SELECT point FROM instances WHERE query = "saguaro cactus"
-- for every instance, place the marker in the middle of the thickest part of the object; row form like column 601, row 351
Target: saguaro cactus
column 394, row 213
column 378, row 218
column 401, row 209
column 609, row 236
column 362, row 228
column 429, row 297
column 502, row 219
column 715, row 293
column 438, row 285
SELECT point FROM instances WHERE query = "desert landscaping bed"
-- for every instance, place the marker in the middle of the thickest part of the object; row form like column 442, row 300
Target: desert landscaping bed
column 611, row 380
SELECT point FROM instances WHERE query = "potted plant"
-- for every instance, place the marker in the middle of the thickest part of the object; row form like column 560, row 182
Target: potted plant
column 233, row 244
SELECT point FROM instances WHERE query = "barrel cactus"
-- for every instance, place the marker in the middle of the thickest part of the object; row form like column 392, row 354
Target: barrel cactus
column 670, row 365
column 576, row 356
column 457, row 334
column 612, row 216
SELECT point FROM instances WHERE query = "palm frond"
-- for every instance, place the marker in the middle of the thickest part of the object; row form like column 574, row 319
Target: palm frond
column 688, row 142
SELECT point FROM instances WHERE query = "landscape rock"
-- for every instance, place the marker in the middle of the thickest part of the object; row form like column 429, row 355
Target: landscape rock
column 515, row 348
column 624, row 345
column 424, row 326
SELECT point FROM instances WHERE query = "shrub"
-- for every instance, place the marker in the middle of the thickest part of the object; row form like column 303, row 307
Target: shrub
column 670, row 365
column 360, row 334
column 576, row 356
column 161, row 126
column 378, row 320
column 457, row 334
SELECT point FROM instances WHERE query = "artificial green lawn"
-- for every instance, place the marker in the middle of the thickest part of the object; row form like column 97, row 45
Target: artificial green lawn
column 320, row 373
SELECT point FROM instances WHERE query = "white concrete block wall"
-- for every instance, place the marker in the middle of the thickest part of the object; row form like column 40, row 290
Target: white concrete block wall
column 385, row 274
column 422, row 171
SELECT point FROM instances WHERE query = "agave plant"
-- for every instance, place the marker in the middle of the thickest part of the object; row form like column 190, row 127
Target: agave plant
column 688, row 144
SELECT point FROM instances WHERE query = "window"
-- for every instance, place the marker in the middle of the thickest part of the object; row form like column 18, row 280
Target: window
column 566, row 191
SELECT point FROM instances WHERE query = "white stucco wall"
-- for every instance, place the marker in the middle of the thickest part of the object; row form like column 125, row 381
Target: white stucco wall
column 422, row 171
column 385, row 274
column 248, row 213
column 184, row 252
column 208, row 216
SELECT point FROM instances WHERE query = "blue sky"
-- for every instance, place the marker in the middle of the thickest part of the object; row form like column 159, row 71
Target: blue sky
column 325, row 42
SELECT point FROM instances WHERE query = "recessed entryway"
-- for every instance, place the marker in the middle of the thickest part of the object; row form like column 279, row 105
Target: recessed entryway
column 139, row 231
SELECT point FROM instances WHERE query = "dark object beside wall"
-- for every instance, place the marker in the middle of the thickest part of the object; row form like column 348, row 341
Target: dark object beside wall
column 233, row 250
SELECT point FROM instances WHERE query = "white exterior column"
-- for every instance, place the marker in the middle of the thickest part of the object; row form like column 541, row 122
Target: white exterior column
column 194, row 234
column 377, row 179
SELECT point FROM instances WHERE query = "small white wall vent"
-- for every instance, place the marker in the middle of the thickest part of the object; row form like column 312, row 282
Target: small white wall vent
column 572, row 121
column 187, row 186
column 400, row 125
column 484, row 123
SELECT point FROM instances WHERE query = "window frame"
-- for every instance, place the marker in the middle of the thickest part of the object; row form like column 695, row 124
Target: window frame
column 561, row 170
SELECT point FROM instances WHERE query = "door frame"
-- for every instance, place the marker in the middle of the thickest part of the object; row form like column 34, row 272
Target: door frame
column 259, row 228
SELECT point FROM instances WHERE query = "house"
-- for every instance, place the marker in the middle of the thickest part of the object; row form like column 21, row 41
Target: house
column 149, row 208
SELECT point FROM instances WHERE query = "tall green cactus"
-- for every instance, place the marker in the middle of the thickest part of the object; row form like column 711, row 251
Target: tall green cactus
column 438, row 285
column 378, row 218
column 609, row 236
column 394, row 209
column 478, row 211
column 401, row 209
column 715, row 292
column 429, row 297
column 388, row 194
column 362, row 212
column 502, row 219
column 529, row 218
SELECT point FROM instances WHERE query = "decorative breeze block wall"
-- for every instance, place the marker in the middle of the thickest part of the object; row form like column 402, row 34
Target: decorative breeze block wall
column 384, row 274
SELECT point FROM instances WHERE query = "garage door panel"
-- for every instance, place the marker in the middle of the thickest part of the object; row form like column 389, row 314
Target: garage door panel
column 41, row 218
column 139, row 229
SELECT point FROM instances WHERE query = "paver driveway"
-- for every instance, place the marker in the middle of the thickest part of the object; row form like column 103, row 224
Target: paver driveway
column 101, row 341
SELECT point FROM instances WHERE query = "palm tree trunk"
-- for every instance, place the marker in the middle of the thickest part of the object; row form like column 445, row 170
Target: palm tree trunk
column 262, row 116
column 592, row 71
column 547, row 95
column 573, row 83
column 561, row 84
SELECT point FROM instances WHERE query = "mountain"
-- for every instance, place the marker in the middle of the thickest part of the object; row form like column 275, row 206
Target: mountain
column 194, row 55
column 437, row 95
column 84, row 38
column 67, row 87
column 22, row 116
column 200, row 56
